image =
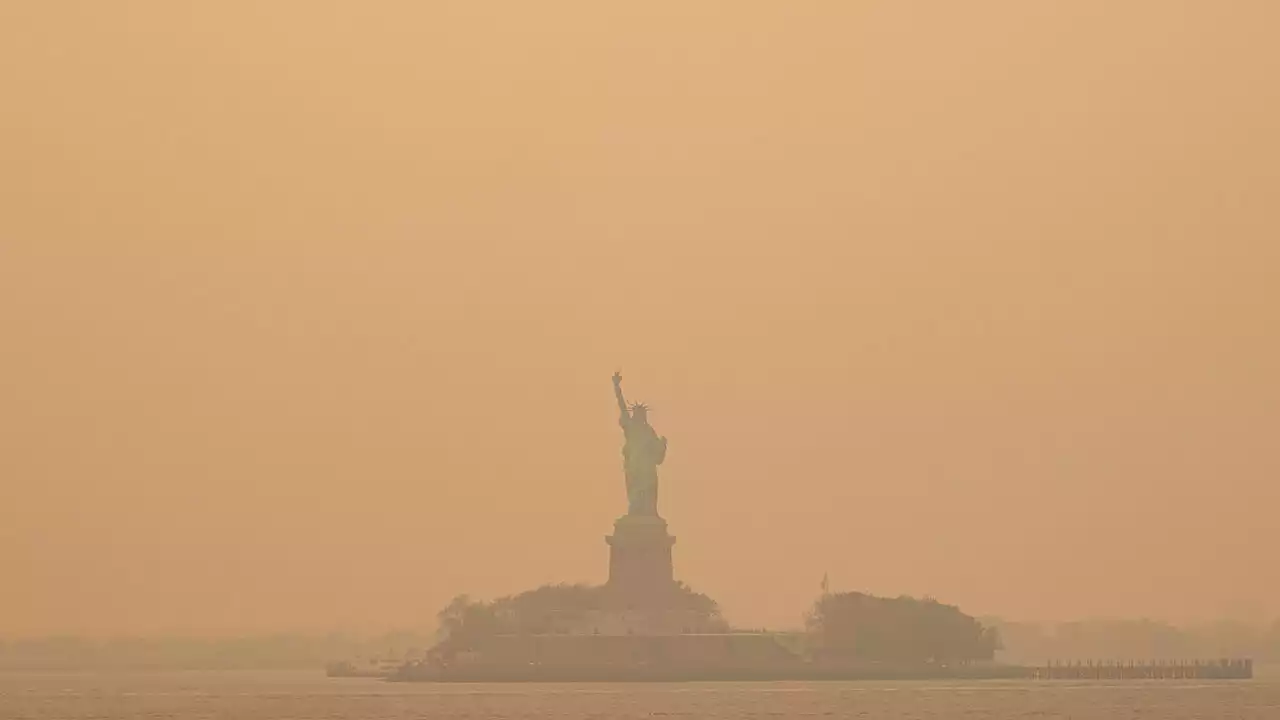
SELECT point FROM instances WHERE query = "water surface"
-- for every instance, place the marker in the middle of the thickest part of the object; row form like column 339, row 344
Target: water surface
column 310, row 695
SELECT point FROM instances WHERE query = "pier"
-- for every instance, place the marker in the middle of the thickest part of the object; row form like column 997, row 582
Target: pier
column 1225, row 669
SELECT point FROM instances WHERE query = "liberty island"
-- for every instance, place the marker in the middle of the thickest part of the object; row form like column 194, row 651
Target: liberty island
column 643, row 624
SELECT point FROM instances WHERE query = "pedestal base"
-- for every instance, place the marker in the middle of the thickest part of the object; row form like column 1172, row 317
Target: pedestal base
column 640, row 570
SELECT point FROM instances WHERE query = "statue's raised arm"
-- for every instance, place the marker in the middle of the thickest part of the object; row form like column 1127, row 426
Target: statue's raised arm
column 622, row 402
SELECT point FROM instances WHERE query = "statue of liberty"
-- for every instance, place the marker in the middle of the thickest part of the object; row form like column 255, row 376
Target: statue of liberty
column 642, row 452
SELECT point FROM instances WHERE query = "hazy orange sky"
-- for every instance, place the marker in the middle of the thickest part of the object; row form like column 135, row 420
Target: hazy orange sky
column 309, row 309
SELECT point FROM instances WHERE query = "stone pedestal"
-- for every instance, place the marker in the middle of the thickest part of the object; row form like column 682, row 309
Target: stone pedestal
column 640, row 570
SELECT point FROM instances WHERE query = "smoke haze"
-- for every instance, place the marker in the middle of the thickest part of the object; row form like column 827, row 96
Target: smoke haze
column 309, row 308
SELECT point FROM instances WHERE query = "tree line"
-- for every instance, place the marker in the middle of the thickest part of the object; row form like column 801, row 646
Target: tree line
column 545, row 609
column 902, row 630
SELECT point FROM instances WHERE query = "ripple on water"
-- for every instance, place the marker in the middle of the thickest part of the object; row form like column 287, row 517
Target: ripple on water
column 311, row 696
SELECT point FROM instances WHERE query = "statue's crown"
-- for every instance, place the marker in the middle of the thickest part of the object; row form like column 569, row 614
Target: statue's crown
column 639, row 406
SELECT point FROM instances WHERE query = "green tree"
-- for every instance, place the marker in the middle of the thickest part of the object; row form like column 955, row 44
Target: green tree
column 901, row 630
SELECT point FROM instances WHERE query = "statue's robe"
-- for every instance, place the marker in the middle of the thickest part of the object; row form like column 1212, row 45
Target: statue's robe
column 642, row 453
